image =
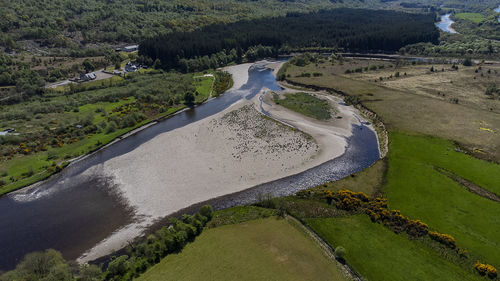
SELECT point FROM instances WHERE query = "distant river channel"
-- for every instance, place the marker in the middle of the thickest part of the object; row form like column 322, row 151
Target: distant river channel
column 445, row 24
column 498, row 11
column 73, row 211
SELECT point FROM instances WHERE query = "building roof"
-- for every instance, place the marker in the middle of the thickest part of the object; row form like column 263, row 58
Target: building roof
column 131, row 47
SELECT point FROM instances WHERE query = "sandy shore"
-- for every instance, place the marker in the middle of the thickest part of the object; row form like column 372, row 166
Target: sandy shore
column 239, row 73
column 233, row 150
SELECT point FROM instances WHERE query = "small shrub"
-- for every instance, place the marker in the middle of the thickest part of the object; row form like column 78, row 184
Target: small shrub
column 329, row 196
column 111, row 127
column 266, row 201
column 351, row 100
column 207, row 211
column 340, row 253
column 467, row 62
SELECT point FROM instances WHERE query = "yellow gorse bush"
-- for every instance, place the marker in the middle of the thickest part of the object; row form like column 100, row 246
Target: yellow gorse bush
column 484, row 269
column 446, row 239
column 349, row 200
column 377, row 210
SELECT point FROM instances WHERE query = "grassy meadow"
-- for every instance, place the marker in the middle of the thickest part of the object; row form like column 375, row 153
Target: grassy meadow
column 473, row 17
column 370, row 180
column 415, row 187
column 306, row 104
column 450, row 104
column 378, row 254
column 263, row 249
column 432, row 112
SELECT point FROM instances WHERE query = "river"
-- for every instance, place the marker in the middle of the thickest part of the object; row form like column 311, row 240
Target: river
column 445, row 24
column 498, row 11
column 73, row 211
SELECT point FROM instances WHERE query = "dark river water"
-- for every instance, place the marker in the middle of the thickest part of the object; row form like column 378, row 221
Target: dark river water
column 73, row 211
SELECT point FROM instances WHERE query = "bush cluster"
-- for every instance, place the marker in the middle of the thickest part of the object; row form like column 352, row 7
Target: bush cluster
column 377, row 210
column 394, row 219
column 484, row 269
column 167, row 240
column 223, row 81
column 445, row 239
column 349, row 200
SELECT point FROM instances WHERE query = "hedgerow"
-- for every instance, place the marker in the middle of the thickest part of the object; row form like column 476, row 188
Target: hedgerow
column 167, row 240
column 377, row 210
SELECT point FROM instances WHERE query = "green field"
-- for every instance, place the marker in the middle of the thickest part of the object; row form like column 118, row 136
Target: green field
column 420, row 192
column 369, row 180
column 377, row 253
column 306, row 104
column 264, row 249
column 204, row 86
column 418, row 180
column 473, row 17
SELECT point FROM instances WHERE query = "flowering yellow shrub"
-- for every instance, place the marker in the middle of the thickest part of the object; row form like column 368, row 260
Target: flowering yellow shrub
column 344, row 193
column 446, row 239
column 417, row 228
column 329, row 196
column 377, row 210
column 484, row 269
column 349, row 200
column 348, row 204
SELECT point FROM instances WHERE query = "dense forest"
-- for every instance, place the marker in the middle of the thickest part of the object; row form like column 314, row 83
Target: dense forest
column 463, row 5
column 69, row 23
column 347, row 29
column 81, row 28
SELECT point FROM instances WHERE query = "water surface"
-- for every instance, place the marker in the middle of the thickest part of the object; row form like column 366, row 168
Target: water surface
column 73, row 211
column 445, row 24
column 498, row 11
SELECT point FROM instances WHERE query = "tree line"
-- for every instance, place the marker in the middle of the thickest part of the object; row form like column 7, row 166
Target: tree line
column 346, row 29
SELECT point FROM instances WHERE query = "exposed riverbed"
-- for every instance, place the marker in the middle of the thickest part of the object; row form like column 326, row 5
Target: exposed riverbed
column 80, row 207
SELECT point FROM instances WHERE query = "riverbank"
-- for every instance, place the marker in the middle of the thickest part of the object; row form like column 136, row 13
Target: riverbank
column 231, row 151
column 239, row 73
column 51, row 160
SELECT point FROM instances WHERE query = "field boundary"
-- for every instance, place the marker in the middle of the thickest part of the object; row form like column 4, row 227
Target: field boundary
column 326, row 249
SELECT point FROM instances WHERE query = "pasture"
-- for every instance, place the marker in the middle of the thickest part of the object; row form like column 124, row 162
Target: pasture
column 263, row 249
column 456, row 109
column 378, row 254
